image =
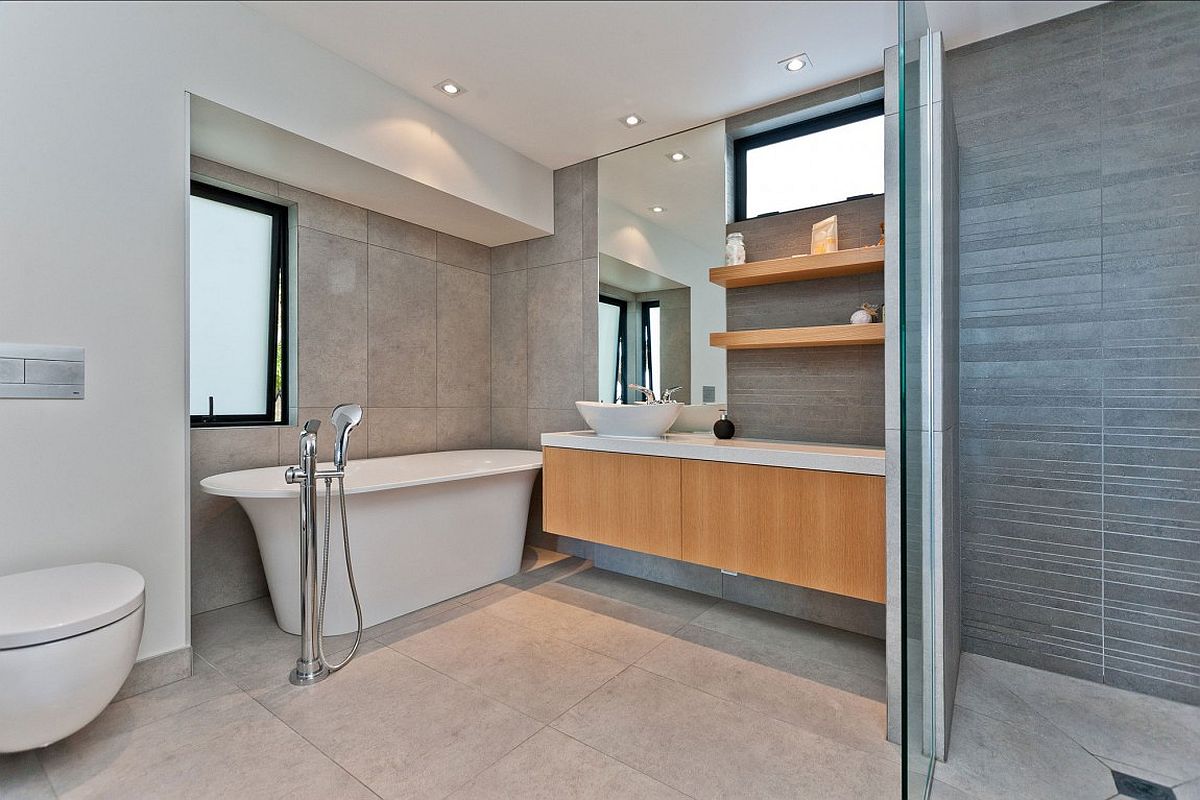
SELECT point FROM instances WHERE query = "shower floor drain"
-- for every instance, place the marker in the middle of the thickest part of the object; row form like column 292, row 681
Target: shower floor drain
column 1137, row 788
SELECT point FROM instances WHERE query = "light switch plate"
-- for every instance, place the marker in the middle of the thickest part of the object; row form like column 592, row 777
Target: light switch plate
column 41, row 371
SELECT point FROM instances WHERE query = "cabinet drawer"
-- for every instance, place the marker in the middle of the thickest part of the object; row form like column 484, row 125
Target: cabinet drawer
column 823, row 530
column 621, row 500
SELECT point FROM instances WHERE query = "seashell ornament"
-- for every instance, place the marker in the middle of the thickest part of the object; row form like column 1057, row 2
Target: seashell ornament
column 864, row 315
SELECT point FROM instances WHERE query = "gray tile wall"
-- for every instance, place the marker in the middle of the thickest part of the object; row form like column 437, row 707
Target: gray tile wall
column 817, row 394
column 392, row 316
column 543, row 319
column 1080, row 255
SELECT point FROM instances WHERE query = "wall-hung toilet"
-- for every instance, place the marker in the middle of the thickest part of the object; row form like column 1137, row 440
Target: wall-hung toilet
column 68, row 639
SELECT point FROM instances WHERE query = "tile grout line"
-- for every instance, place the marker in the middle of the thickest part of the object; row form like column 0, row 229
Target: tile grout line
column 595, row 749
column 312, row 744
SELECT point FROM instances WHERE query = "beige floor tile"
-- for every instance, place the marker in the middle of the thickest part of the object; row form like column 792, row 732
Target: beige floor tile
column 385, row 630
column 982, row 691
column 711, row 748
column 22, row 778
column 850, row 651
column 227, row 747
column 1154, row 734
column 944, row 791
column 403, row 729
column 995, row 760
column 1188, row 791
column 246, row 644
column 559, row 617
column 777, row 683
column 659, row 597
column 534, row 673
column 553, row 766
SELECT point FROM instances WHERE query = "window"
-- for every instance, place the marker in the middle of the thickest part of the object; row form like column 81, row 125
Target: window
column 237, row 308
column 613, row 350
column 824, row 160
column 652, row 347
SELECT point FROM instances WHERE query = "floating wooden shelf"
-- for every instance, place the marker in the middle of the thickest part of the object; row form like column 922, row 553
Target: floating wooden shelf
column 819, row 336
column 800, row 268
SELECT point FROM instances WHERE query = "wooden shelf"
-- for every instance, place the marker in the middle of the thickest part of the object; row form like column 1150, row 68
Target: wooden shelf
column 819, row 336
column 800, row 268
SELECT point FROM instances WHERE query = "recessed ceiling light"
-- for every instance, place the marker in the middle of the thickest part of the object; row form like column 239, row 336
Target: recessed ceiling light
column 796, row 63
column 631, row 120
column 678, row 156
column 657, row 209
column 450, row 87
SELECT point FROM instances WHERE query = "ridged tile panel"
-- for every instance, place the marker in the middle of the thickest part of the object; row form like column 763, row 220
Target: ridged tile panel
column 1080, row 345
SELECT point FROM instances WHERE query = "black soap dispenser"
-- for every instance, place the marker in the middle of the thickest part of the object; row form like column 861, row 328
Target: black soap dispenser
column 723, row 428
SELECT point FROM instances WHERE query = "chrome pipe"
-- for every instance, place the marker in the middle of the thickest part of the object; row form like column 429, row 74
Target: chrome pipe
column 309, row 667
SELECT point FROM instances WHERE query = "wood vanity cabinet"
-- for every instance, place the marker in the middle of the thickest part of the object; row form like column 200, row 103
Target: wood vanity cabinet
column 612, row 498
column 822, row 530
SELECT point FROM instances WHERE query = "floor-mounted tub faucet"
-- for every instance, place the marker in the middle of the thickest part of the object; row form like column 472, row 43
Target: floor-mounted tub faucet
column 311, row 666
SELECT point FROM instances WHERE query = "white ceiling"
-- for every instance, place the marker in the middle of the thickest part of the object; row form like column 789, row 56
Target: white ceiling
column 552, row 79
column 692, row 192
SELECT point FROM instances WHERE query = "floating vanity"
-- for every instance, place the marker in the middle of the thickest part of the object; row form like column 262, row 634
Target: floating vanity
column 811, row 515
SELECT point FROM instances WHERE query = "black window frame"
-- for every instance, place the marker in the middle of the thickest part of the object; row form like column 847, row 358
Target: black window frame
column 277, row 326
column 647, row 344
column 794, row 131
column 622, row 385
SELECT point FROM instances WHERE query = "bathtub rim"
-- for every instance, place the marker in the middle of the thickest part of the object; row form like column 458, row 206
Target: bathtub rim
column 218, row 484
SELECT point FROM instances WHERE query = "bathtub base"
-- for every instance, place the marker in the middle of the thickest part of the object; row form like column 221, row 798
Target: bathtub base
column 412, row 547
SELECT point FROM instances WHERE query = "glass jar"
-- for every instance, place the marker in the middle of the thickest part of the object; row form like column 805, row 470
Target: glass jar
column 735, row 250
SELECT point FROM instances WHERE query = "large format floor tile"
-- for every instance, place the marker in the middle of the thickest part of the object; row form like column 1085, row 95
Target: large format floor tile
column 849, row 651
column 994, row 760
column 562, row 612
column 811, row 695
column 403, row 729
column 246, row 644
column 1151, row 733
column 553, row 766
column 22, row 777
column 227, row 747
column 537, row 674
column 711, row 748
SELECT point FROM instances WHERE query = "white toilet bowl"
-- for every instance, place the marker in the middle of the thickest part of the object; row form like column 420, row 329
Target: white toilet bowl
column 68, row 639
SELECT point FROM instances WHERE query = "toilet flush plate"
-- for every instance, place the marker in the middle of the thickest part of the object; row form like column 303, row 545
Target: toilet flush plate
column 41, row 371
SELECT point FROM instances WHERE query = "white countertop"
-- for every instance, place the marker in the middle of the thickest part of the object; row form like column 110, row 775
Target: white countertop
column 705, row 447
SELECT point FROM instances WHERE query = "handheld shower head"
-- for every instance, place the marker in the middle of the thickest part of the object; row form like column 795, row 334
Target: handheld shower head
column 345, row 418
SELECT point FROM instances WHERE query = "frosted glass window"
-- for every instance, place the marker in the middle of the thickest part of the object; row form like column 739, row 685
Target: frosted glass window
column 235, row 309
column 814, row 168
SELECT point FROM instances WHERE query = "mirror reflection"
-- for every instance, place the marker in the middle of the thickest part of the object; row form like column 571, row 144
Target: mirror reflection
column 661, row 227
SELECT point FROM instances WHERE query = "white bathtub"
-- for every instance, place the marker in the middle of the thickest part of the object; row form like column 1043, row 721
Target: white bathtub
column 423, row 528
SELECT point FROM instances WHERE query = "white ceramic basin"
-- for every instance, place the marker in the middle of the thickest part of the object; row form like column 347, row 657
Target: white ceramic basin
column 632, row 421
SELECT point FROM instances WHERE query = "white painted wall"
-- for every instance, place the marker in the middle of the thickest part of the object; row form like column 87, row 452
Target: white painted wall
column 93, row 170
column 636, row 240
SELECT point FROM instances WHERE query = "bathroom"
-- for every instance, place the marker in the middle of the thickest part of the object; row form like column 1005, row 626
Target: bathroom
column 952, row 551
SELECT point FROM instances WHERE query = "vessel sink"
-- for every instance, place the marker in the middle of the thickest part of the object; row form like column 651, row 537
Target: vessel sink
column 629, row 421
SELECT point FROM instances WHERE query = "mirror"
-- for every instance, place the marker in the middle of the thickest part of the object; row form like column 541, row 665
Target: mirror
column 661, row 227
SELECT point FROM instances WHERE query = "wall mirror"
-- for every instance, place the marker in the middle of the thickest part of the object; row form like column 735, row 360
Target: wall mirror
column 661, row 226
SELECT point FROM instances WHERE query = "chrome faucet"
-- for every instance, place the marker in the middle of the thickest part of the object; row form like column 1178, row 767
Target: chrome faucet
column 652, row 398
column 312, row 666
column 649, row 393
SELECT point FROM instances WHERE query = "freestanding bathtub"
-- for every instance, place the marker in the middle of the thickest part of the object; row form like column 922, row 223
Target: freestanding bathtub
column 423, row 528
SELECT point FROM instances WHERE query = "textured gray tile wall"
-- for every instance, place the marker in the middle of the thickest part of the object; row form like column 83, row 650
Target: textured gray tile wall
column 543, row 319
column 1080, row 275
column 392, row 316
column 820, row 394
